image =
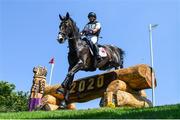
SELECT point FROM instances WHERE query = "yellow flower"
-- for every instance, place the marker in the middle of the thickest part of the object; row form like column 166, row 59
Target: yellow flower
column 111, row 105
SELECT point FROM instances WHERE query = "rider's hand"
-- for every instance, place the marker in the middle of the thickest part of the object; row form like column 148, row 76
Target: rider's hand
column 90, row 31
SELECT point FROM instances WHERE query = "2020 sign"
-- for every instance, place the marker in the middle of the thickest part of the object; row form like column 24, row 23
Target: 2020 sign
column 87, row 84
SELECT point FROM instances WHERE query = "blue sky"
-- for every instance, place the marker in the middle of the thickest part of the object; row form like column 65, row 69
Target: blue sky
column 28, row 32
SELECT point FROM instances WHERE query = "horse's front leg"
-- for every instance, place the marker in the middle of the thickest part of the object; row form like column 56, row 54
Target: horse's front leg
column 69, row 77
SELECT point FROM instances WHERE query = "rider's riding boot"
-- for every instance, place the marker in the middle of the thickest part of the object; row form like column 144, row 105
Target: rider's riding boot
column 98, row 57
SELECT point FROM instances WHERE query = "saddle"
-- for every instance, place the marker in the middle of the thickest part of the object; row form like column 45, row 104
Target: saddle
column 92, row 48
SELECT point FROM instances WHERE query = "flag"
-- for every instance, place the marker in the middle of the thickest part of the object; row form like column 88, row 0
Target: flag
column 52, row 67
column 51, row 61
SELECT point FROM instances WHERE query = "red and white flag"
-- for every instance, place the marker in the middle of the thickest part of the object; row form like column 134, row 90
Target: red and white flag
column 52, row 67
column 51, row 61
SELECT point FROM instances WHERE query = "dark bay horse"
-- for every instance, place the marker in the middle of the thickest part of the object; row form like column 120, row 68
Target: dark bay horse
column 79, row 56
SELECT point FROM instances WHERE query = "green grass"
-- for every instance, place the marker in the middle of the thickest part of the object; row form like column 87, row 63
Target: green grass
column 168, row 111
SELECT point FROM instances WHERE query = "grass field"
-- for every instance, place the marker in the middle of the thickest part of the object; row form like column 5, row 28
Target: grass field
column 168, row 111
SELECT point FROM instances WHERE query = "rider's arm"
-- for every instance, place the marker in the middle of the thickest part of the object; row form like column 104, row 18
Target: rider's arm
column 98, row 27
column 84, row 30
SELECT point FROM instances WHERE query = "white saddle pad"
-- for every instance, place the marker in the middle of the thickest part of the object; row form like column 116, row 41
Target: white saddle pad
column 102, row 52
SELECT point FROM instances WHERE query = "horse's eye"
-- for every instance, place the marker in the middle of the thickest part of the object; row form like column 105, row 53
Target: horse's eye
column 65, row 22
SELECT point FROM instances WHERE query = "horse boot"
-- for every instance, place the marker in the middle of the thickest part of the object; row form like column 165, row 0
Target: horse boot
column 63, row 88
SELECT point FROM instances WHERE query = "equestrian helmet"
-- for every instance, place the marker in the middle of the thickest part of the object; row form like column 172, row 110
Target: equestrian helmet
column 92, row 14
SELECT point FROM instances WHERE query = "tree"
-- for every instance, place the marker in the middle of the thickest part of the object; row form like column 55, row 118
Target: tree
column 10, row 100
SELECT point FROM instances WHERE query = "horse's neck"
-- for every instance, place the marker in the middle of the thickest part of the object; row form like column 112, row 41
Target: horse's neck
column 73, row 44
column 74, row 39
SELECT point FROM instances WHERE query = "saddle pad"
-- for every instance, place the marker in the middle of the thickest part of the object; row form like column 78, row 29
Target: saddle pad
column 102, row 52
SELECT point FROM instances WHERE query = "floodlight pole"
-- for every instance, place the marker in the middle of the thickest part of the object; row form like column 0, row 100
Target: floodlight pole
column 152, row 60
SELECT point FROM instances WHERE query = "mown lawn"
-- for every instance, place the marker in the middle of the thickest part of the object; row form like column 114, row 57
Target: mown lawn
column 168, row 111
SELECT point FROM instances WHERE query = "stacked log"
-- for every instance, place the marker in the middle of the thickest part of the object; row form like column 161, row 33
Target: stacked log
column 123, row 87
column 53, row 100
column 121, row 94
column 51, row 90
column 138, row 77
column 50, row 107
column 132, row 100
column 50, row 102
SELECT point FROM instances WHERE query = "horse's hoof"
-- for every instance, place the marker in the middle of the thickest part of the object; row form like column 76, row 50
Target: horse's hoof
column 62, row 105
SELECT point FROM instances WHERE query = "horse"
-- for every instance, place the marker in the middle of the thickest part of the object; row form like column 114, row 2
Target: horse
column 80, row 56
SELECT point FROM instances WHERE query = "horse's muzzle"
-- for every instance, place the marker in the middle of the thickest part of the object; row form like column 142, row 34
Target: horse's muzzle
column 60, row 38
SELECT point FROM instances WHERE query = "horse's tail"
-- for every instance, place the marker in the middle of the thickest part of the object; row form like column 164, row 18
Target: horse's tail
column 121, row 54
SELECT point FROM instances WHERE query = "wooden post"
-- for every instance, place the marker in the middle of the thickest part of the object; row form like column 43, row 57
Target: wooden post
column 38, row 86
column 108, row 99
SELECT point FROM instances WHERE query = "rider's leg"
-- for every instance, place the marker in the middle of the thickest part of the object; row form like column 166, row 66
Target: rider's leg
column 94, row 39
column 97, row 50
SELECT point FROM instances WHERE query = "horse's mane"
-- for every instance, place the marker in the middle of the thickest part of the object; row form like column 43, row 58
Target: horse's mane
column 74, row 24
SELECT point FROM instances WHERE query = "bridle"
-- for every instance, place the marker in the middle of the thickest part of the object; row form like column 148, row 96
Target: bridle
column 66, row 33
column 67, row 30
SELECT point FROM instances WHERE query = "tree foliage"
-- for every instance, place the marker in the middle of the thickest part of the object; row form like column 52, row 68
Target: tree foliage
column 11, row 100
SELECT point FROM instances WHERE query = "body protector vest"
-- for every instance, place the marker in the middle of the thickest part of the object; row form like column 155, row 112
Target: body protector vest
column 92, row 26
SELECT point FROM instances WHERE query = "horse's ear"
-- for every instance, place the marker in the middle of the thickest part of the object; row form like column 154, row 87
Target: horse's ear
column 60, row 17
column 67, row 15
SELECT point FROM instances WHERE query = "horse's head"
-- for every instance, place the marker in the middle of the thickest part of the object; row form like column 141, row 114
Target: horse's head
column 65, row 28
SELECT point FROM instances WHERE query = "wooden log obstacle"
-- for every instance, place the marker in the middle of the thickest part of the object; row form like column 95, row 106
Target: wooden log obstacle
column 122, row 87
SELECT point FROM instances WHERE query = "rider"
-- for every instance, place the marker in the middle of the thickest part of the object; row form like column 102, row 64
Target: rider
column 91, row 31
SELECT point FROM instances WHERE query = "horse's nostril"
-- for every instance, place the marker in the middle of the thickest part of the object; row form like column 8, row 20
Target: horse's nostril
column 61, row 39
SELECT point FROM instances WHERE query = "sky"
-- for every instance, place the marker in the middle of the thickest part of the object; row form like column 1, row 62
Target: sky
column 29, row 28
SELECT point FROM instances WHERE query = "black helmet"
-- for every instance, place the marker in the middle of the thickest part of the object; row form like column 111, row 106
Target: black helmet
column 92, row 14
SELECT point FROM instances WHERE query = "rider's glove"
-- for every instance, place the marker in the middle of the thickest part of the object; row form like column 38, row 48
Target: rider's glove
column 90, row 31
